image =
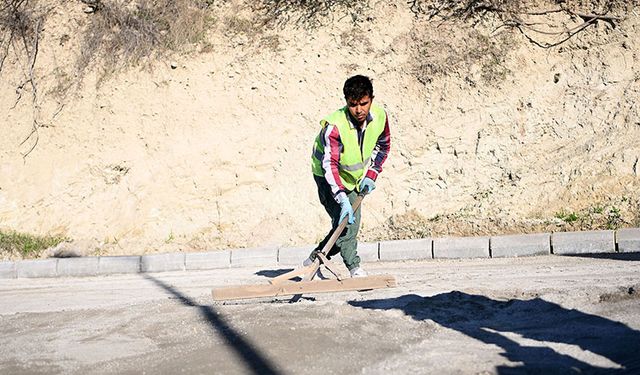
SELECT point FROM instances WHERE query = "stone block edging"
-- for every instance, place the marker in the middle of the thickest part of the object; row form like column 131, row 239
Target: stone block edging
column 628, row 240
column 7, row 270
column 587, row 242
column 406, row 249
column 520, row 245
column 461, row 247
column 118, row 264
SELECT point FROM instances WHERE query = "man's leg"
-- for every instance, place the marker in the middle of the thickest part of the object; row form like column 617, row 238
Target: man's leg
column 333, row 210
column 346, row 244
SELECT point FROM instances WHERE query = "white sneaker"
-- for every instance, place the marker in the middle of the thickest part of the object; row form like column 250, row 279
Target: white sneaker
column 358, row 272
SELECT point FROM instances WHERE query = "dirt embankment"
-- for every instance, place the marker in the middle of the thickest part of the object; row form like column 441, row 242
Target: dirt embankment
column 494, row 130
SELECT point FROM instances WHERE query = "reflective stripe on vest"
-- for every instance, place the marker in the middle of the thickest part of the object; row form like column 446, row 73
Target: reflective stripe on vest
column 353, row 167
column 355, row 157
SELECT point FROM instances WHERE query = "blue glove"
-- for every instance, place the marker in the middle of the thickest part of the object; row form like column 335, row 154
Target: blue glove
column 345, row 209
column 367, row 185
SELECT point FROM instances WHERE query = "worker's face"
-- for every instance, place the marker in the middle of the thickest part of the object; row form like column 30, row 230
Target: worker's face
column 359, row 108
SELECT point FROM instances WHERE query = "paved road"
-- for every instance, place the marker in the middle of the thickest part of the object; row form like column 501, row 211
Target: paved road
column 546, row 314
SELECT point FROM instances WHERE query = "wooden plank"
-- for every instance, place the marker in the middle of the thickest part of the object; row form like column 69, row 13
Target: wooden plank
column 330, row 266
column 312, row 271
column 298, row 272
column 303, row 287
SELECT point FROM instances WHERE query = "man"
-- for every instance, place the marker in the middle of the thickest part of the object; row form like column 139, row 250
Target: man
column 348, row 155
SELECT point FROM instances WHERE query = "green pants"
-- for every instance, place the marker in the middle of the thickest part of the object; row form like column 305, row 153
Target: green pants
column 346, row 244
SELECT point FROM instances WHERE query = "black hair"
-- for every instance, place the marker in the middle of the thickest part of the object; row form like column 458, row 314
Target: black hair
column 357, row 87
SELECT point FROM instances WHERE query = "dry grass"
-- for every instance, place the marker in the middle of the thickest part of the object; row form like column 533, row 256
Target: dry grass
column 127, row 33
column 490, row 28
column 466, row 9
column 18, row 24
column 478, row 57
column 309, row 14
column 598, row 6
column 477, row 10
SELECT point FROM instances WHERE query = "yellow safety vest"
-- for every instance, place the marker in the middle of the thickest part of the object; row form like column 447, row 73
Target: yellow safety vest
column 355, row 158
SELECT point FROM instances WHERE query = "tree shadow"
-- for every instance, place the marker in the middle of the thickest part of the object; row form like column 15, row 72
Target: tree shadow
column 497, row 322
column 255, row 361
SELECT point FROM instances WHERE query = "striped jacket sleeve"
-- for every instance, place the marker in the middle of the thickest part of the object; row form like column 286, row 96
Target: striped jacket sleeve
column 380, row 152
column 330, row 138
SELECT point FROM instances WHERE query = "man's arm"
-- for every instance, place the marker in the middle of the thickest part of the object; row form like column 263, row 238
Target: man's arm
column 380, row 152
column 332, row 143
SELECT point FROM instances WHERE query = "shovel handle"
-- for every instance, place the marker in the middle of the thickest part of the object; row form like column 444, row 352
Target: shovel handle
column 341, row 226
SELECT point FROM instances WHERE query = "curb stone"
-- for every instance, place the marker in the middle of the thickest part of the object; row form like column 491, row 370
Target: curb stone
column 37, row 268
column 162, row 262
column 84, row 266
column 255, row 257
column 406, row 249
column 587, row 242
column 521, row 245
column 7, row 270
column 369, row 251
column 208, row 261
column 461, row 247
column 628, row 240
column 294, row 256
column 118, row 264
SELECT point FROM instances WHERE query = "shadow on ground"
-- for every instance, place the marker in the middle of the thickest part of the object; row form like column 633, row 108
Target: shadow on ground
column 251, row 357
column 612, row 256
column 273, row 273
column 495, row 322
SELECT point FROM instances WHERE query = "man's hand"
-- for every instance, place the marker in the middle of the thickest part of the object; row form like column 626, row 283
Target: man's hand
column 345, row 209
column 367, row 185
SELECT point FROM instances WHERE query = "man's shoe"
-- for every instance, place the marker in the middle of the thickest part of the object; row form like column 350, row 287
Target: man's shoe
column 358, row 272
column 307, row 262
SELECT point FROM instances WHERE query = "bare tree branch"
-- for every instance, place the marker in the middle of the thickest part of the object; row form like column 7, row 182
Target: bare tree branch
column 550, row 45
column 34, row 89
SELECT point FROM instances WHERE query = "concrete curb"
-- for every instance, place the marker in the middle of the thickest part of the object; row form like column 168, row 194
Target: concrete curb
column 520, row 245
column 256, row 257
column 85, row 266
column 37, row 268
column 208, row 261
column 118, row 264
column 294, row 256
column 162, row 262
column 628, row 240
column 588, row 242
column 369, row 251
column 7, row 270
column 406, row 249
column 461, row 247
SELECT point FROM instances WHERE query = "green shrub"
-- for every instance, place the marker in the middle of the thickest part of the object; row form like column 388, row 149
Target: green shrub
column 567, row 217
